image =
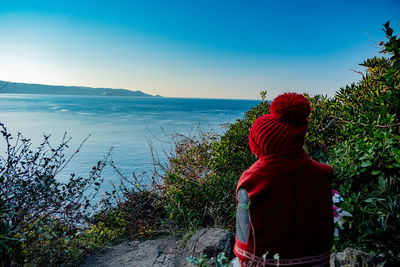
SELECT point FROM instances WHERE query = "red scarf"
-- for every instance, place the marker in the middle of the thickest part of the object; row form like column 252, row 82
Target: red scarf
column 290, row 207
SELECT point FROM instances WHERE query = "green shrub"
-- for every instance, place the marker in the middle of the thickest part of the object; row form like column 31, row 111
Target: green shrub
column 45, row 241
column 50, row 242
column 144, row 211
column 105, row 232
column 186, row 190
column 6, row 228
column 357, row 132
column 41, row 219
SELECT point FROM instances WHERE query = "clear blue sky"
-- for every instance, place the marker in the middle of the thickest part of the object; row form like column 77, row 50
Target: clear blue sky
column 213, row 49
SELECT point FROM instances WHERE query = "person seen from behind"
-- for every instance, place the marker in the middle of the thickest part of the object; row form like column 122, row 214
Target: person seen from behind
column 284, row 200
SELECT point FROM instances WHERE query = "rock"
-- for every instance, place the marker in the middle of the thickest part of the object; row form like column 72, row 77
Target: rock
column 157, row 253
column 352, row 258
column 210, row 242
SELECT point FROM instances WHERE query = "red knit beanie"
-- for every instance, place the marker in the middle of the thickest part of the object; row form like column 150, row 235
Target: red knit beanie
column 284, row 129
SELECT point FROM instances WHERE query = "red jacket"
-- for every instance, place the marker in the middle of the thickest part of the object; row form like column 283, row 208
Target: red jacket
column 290, row 207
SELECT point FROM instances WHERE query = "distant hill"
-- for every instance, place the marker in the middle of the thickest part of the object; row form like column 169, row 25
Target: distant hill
column 26, row 88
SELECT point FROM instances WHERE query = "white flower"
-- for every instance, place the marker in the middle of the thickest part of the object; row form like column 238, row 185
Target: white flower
column 339, row 220
column 336, row 197
column 338, row 213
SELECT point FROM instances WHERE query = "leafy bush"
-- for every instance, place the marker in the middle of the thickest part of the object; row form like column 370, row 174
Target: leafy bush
column 6, row 230
column 143, row 212
column 42, row 219
column 45, row 241
column 105, row 232
column 357, row 132
column 186, row 184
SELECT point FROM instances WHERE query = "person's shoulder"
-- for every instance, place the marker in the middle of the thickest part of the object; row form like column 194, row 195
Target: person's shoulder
column 255, row 171
column 326, row 168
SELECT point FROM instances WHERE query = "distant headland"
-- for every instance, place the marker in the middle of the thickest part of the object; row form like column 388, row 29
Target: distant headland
column 27, row 88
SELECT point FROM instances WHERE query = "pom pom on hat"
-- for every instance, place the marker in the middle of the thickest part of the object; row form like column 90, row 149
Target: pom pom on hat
column 291, row 108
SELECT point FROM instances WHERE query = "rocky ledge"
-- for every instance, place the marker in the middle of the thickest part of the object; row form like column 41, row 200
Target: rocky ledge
column 171, row 252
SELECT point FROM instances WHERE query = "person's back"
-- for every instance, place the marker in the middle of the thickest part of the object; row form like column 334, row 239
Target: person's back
column 284, row 199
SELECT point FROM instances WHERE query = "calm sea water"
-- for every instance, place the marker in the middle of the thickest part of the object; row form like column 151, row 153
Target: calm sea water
column 124, row 123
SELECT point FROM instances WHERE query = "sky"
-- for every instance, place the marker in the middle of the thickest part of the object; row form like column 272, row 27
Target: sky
column 206, row 49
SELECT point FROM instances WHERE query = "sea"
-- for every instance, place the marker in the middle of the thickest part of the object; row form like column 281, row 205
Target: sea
column 136, row 129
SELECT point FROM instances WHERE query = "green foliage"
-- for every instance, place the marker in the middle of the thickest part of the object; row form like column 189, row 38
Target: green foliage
column 41, row 219
column 200, row 261
column 220, row 261
column 187, row 185
column 186, row 202
column 6, row 229
column 385, row 210
column 106, row 231
column 50, row 242
column 144, row 211
column 357, row 132
column 187, row 237
column 323, row 132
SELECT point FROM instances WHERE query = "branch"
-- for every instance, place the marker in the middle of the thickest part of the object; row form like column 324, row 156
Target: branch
column 359, row 72
column 364, row 124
